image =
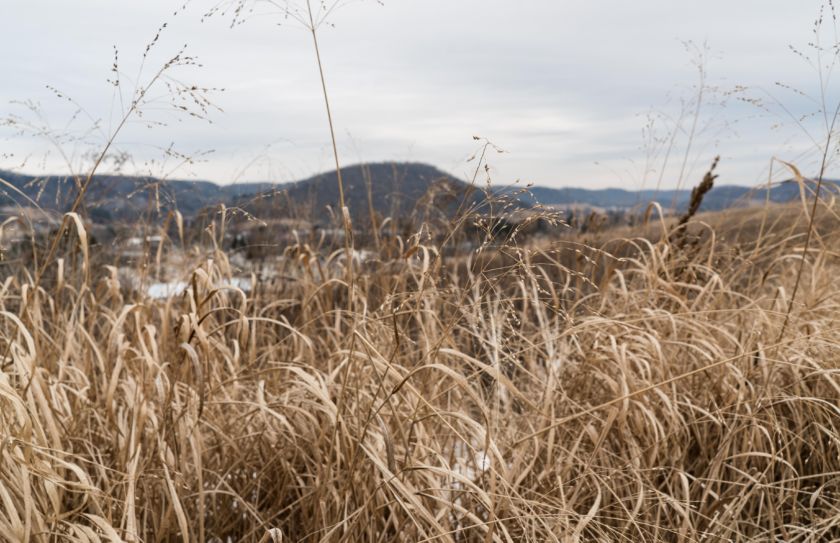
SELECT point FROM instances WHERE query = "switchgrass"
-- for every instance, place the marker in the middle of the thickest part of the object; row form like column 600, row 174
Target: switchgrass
column 545, row 392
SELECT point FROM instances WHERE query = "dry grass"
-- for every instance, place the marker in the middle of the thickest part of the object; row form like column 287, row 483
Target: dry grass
column 633, row 385
column 547, row 397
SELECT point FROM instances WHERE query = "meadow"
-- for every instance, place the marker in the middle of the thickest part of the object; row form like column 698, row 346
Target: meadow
column 672, row 380
column 657, row 387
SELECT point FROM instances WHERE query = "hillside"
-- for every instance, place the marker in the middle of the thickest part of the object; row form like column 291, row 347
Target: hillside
column 117, row 197
column 395, row 188
column 719, row 198
column 390, row 188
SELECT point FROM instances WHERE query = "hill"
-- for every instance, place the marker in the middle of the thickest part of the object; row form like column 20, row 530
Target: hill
column 118, row 197
column 719, row 198
column 389, row 188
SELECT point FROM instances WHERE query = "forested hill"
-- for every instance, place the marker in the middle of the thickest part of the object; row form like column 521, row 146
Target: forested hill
column 388, row 188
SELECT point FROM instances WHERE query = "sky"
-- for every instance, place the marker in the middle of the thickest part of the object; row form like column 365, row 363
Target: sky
column 570, row 93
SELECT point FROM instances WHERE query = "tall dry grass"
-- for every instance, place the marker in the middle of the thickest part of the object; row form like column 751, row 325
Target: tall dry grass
column 528, row 393
column 680, row 385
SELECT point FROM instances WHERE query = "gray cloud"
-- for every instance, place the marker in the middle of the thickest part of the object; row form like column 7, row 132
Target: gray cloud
column 563, row 86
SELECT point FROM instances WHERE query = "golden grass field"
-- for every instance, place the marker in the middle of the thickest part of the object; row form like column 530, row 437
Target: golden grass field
column 618, row 387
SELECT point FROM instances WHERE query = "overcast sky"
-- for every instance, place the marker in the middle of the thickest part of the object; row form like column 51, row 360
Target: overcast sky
column 565, row 87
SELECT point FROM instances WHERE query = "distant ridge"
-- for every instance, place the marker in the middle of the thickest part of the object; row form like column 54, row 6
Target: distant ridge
column 120, row 197
column 388, row 188
column 719, row 198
